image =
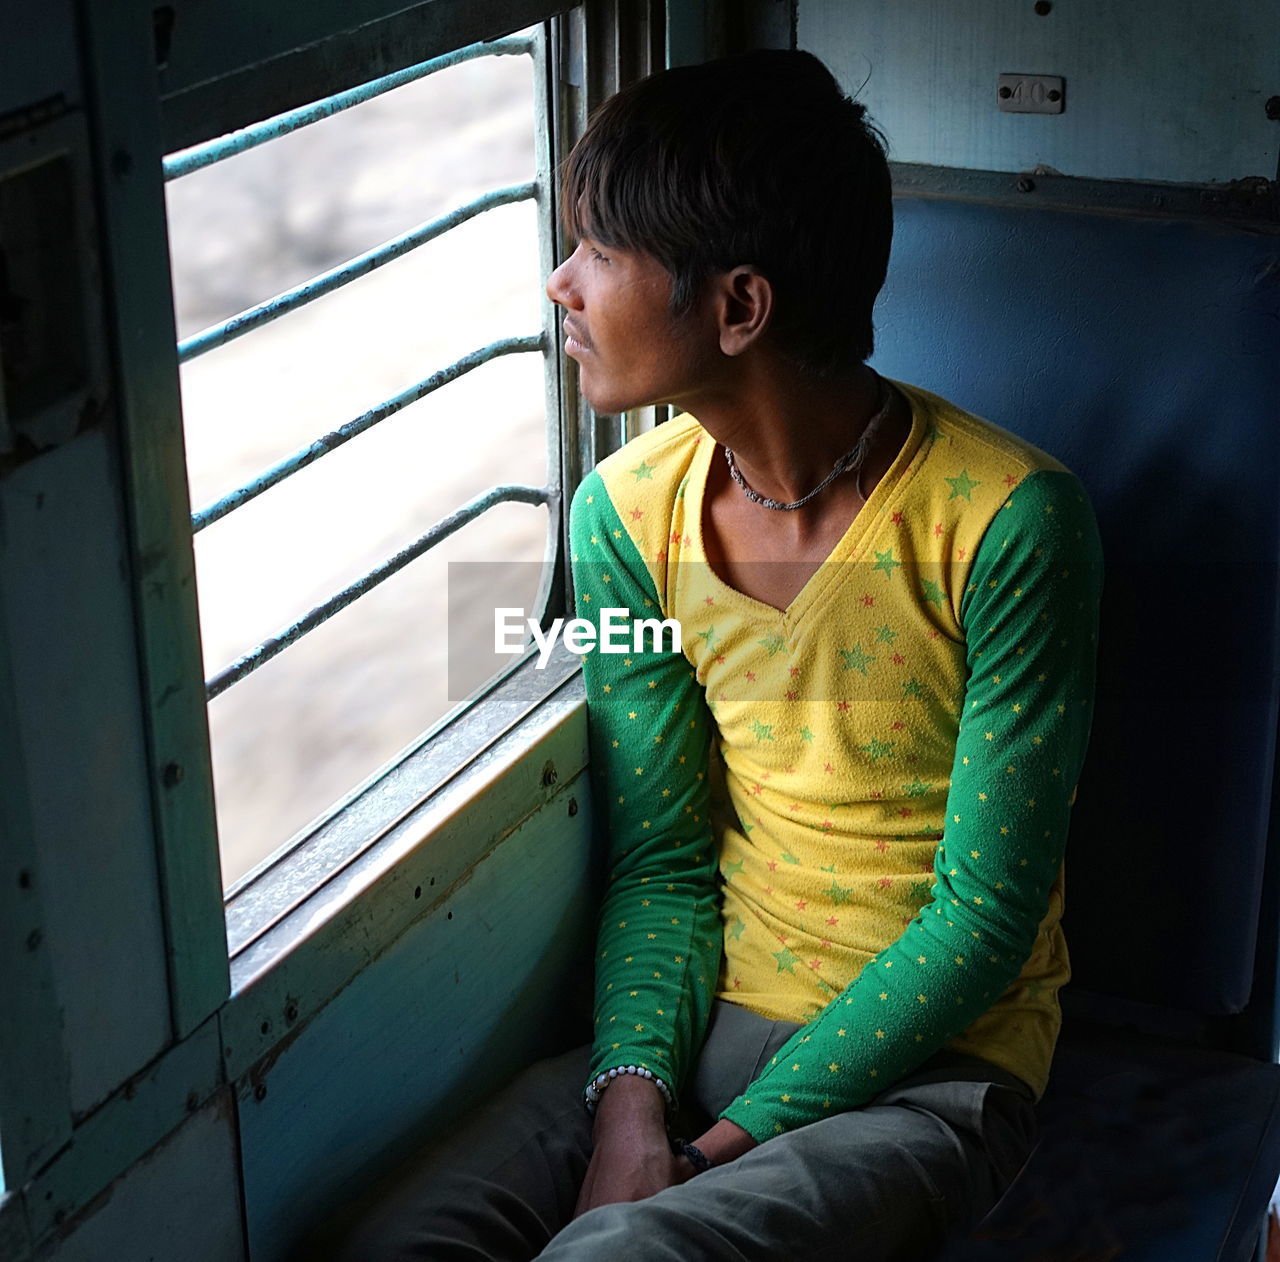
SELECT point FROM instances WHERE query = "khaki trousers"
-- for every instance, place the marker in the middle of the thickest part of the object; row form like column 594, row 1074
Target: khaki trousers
column 887, row 1182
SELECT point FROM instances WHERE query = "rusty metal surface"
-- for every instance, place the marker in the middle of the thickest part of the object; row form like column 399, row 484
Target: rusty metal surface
column 344, row 433
column 264, row 312
column 200, row 156
column 446, row 526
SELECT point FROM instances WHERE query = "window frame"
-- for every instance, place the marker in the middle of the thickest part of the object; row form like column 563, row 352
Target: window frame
column 242, row 948
column 244, row 323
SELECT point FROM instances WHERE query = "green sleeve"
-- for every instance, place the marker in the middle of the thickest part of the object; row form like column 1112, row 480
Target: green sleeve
column 659, row 941
column 1029, row 616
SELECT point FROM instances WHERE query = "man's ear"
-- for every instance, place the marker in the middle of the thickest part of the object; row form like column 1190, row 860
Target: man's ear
column 744, row 306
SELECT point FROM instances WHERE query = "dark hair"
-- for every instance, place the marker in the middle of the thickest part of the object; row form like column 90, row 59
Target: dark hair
column 756, row 159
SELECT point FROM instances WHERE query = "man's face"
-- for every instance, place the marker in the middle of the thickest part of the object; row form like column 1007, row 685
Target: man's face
column 631, row 351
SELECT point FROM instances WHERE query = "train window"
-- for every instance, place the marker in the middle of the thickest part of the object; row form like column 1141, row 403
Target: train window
column 365, row 399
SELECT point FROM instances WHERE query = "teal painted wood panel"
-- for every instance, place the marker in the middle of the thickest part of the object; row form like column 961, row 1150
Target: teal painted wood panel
column 121, row 1132
column 297, row 966
column 1154, row 91
column 118, row 42
column 212, row 40
column 39, row 57
column 213, row 82
column 690, row 32
column 15, row 1243
column 70, row 631
column 35, row 1108
column 180, row 1203
column 482, row 985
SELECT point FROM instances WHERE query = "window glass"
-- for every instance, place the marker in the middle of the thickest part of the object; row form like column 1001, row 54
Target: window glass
column 304, row 729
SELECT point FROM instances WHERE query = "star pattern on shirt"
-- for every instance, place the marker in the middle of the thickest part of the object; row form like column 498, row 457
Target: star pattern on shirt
column 885, row 562
column 856, row 659
column 817, row 795
column 962, row 485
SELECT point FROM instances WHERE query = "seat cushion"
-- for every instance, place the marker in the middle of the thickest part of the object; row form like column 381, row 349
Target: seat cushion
column 1147, row 1153
column 1141, row 353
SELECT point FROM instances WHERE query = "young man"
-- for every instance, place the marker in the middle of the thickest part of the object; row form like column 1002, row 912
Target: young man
column 835, row 817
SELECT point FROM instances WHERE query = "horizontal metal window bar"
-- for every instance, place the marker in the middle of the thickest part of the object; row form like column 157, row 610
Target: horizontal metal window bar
column 344, row 433
column 473, row 508
column 200, row 156
column 291, row 299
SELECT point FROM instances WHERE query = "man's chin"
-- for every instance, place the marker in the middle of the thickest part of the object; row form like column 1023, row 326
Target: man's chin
column 602, row 401
column 609, row 402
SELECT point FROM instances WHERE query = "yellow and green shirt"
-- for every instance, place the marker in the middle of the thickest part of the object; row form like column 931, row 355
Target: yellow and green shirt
column 850, row 813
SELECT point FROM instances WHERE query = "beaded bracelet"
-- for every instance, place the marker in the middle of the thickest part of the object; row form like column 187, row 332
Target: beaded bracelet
column 595, row 1088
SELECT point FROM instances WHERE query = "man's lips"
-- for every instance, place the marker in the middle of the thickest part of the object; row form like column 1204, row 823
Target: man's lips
column 574, row 335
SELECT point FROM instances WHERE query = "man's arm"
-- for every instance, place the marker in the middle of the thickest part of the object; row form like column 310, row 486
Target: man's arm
column 1030, row 617
column 658, row 950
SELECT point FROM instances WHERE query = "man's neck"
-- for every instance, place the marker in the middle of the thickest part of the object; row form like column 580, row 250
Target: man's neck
column 786, row 427
column 784, row 448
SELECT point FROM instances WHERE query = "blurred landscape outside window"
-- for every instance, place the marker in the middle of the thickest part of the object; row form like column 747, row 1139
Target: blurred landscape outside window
column 303, row 730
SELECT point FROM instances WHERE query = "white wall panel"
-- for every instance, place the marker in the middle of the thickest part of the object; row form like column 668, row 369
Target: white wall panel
column 75, row 679
column 180, row 1203
column 1154, row 91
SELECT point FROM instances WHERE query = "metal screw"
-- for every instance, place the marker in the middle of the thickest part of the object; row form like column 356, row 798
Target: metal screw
column 1026, row 185
column 1053, row 94
column 24, row 879
column 1005, row 92
column 291, row 1011
column 1273, row 108
column 573, row 806
column 260, row 1091
column 1044, row 8
column 549, row 775
column 173, row 774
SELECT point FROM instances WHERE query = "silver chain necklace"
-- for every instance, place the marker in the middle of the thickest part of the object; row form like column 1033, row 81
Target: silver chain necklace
column 851, row 461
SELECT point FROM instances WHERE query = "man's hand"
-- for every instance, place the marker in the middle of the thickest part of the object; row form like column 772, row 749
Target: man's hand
column 632, row 1157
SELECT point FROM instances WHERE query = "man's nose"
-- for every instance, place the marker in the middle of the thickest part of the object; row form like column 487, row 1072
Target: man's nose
column 560, row 285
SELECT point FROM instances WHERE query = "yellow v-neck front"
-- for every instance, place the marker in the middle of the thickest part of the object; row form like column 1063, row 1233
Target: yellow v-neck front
column 851, row 546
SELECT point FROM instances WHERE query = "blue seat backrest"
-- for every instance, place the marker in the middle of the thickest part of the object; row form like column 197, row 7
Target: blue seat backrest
column 1145, row 355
